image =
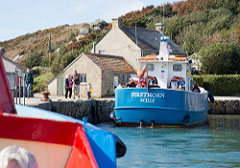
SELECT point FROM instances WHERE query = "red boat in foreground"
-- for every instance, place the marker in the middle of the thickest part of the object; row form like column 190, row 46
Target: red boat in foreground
column 54, row 139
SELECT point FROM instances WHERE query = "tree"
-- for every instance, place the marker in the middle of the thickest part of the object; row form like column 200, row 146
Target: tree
column 33, row 60
column 221, row 58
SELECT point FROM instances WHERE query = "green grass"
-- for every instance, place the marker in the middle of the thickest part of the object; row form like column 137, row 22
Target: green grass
column 42, row 77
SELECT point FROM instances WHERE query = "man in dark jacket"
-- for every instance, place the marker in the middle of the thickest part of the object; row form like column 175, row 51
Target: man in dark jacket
column 68, row 86
column 29, row 81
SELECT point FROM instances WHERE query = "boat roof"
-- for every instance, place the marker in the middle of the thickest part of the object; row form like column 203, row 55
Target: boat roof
column 33, row 112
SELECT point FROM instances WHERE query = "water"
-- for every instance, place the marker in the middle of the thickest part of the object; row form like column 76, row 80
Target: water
column 215, row 145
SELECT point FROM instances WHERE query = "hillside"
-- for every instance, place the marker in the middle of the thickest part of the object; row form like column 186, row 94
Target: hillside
column 39, row 40
column 209, row 29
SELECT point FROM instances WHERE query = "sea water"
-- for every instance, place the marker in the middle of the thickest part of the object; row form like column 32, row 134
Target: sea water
column 215, row 145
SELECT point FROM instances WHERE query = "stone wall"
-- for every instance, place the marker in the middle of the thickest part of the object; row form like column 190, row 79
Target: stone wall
column 225, row 107
column 97, row 111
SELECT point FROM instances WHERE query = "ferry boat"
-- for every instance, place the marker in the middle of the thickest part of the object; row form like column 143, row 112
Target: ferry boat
column 174, row 101
column 54, row 139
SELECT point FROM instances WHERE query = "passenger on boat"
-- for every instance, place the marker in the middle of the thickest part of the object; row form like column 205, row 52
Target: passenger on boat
column 174, row 83
column 196, row 88
column 138, row 85
column 181, row 84
column 144, row 83
column 131, row 83
column 155, row 81
column 17, row 157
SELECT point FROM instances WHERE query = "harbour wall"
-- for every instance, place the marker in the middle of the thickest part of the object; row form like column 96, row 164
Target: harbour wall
column 225, row 106
column 98, row 111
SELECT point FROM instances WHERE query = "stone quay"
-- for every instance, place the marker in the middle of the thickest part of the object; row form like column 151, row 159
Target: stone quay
column 98, row 110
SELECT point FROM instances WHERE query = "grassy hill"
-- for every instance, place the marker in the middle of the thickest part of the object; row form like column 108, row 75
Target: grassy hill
column 39, row 40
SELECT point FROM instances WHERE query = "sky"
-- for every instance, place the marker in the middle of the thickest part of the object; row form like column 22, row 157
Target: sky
column 19, row 17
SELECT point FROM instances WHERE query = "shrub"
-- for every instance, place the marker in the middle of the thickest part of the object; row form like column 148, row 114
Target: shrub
column 33, row 60
column 220, row 85
column 221, row 58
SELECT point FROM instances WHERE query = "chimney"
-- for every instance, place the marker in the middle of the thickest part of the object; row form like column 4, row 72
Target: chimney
column 159, row 27
column 116, row 23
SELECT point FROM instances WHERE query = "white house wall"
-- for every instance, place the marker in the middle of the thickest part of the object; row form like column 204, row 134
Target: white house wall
column 116, row 42
column 52, row 87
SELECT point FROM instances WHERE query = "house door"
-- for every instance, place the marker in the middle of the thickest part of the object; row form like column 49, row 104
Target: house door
column 60, row 85
column 115, row 83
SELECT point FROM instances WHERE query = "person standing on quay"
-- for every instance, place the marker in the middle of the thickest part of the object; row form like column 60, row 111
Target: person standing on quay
column 29, row 81
column 68, row 87
column 89, row 90
column 76, row 86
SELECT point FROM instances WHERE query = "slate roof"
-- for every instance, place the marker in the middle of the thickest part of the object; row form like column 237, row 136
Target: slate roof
column 16, row 64
column 111, row 63
column 149, row 40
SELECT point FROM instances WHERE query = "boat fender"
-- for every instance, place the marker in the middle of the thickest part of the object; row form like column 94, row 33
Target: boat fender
column 121, row 148
column 112, row 115
column 186, row 119
column 211, row 97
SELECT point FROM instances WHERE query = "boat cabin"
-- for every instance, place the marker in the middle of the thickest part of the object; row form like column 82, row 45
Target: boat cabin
column 171, row 71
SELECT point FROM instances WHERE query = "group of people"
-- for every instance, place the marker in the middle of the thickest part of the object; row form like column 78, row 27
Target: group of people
column 152, row 82
column 72, row 83
column 177, row 83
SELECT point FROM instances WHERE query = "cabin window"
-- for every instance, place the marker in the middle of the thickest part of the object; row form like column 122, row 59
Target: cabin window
column 177, row 67
column 83, row 78
column 150, row 67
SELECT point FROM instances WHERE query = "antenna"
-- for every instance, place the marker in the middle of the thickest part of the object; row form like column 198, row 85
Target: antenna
column 163, row 23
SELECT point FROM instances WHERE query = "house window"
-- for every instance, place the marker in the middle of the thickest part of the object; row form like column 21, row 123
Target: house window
column 177, row 67
column 101, row 51
column 83, row 78
column 150, row 67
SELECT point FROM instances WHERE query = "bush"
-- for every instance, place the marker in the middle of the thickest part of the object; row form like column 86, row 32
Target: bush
column 33, row 60
column 221, row 58
column 220, row 85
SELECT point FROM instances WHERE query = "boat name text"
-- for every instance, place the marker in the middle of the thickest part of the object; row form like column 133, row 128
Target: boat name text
column 147, row 95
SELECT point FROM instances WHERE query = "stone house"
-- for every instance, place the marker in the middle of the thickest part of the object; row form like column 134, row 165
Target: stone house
column 14, row 73
column 133, row 43
column 104, row 72
column 98, row 25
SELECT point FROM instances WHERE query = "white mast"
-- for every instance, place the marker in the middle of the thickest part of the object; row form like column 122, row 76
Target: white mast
column 163, row 48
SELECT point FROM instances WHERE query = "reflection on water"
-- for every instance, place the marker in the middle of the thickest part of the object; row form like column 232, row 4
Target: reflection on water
column 216, row 145
column 224, row 121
